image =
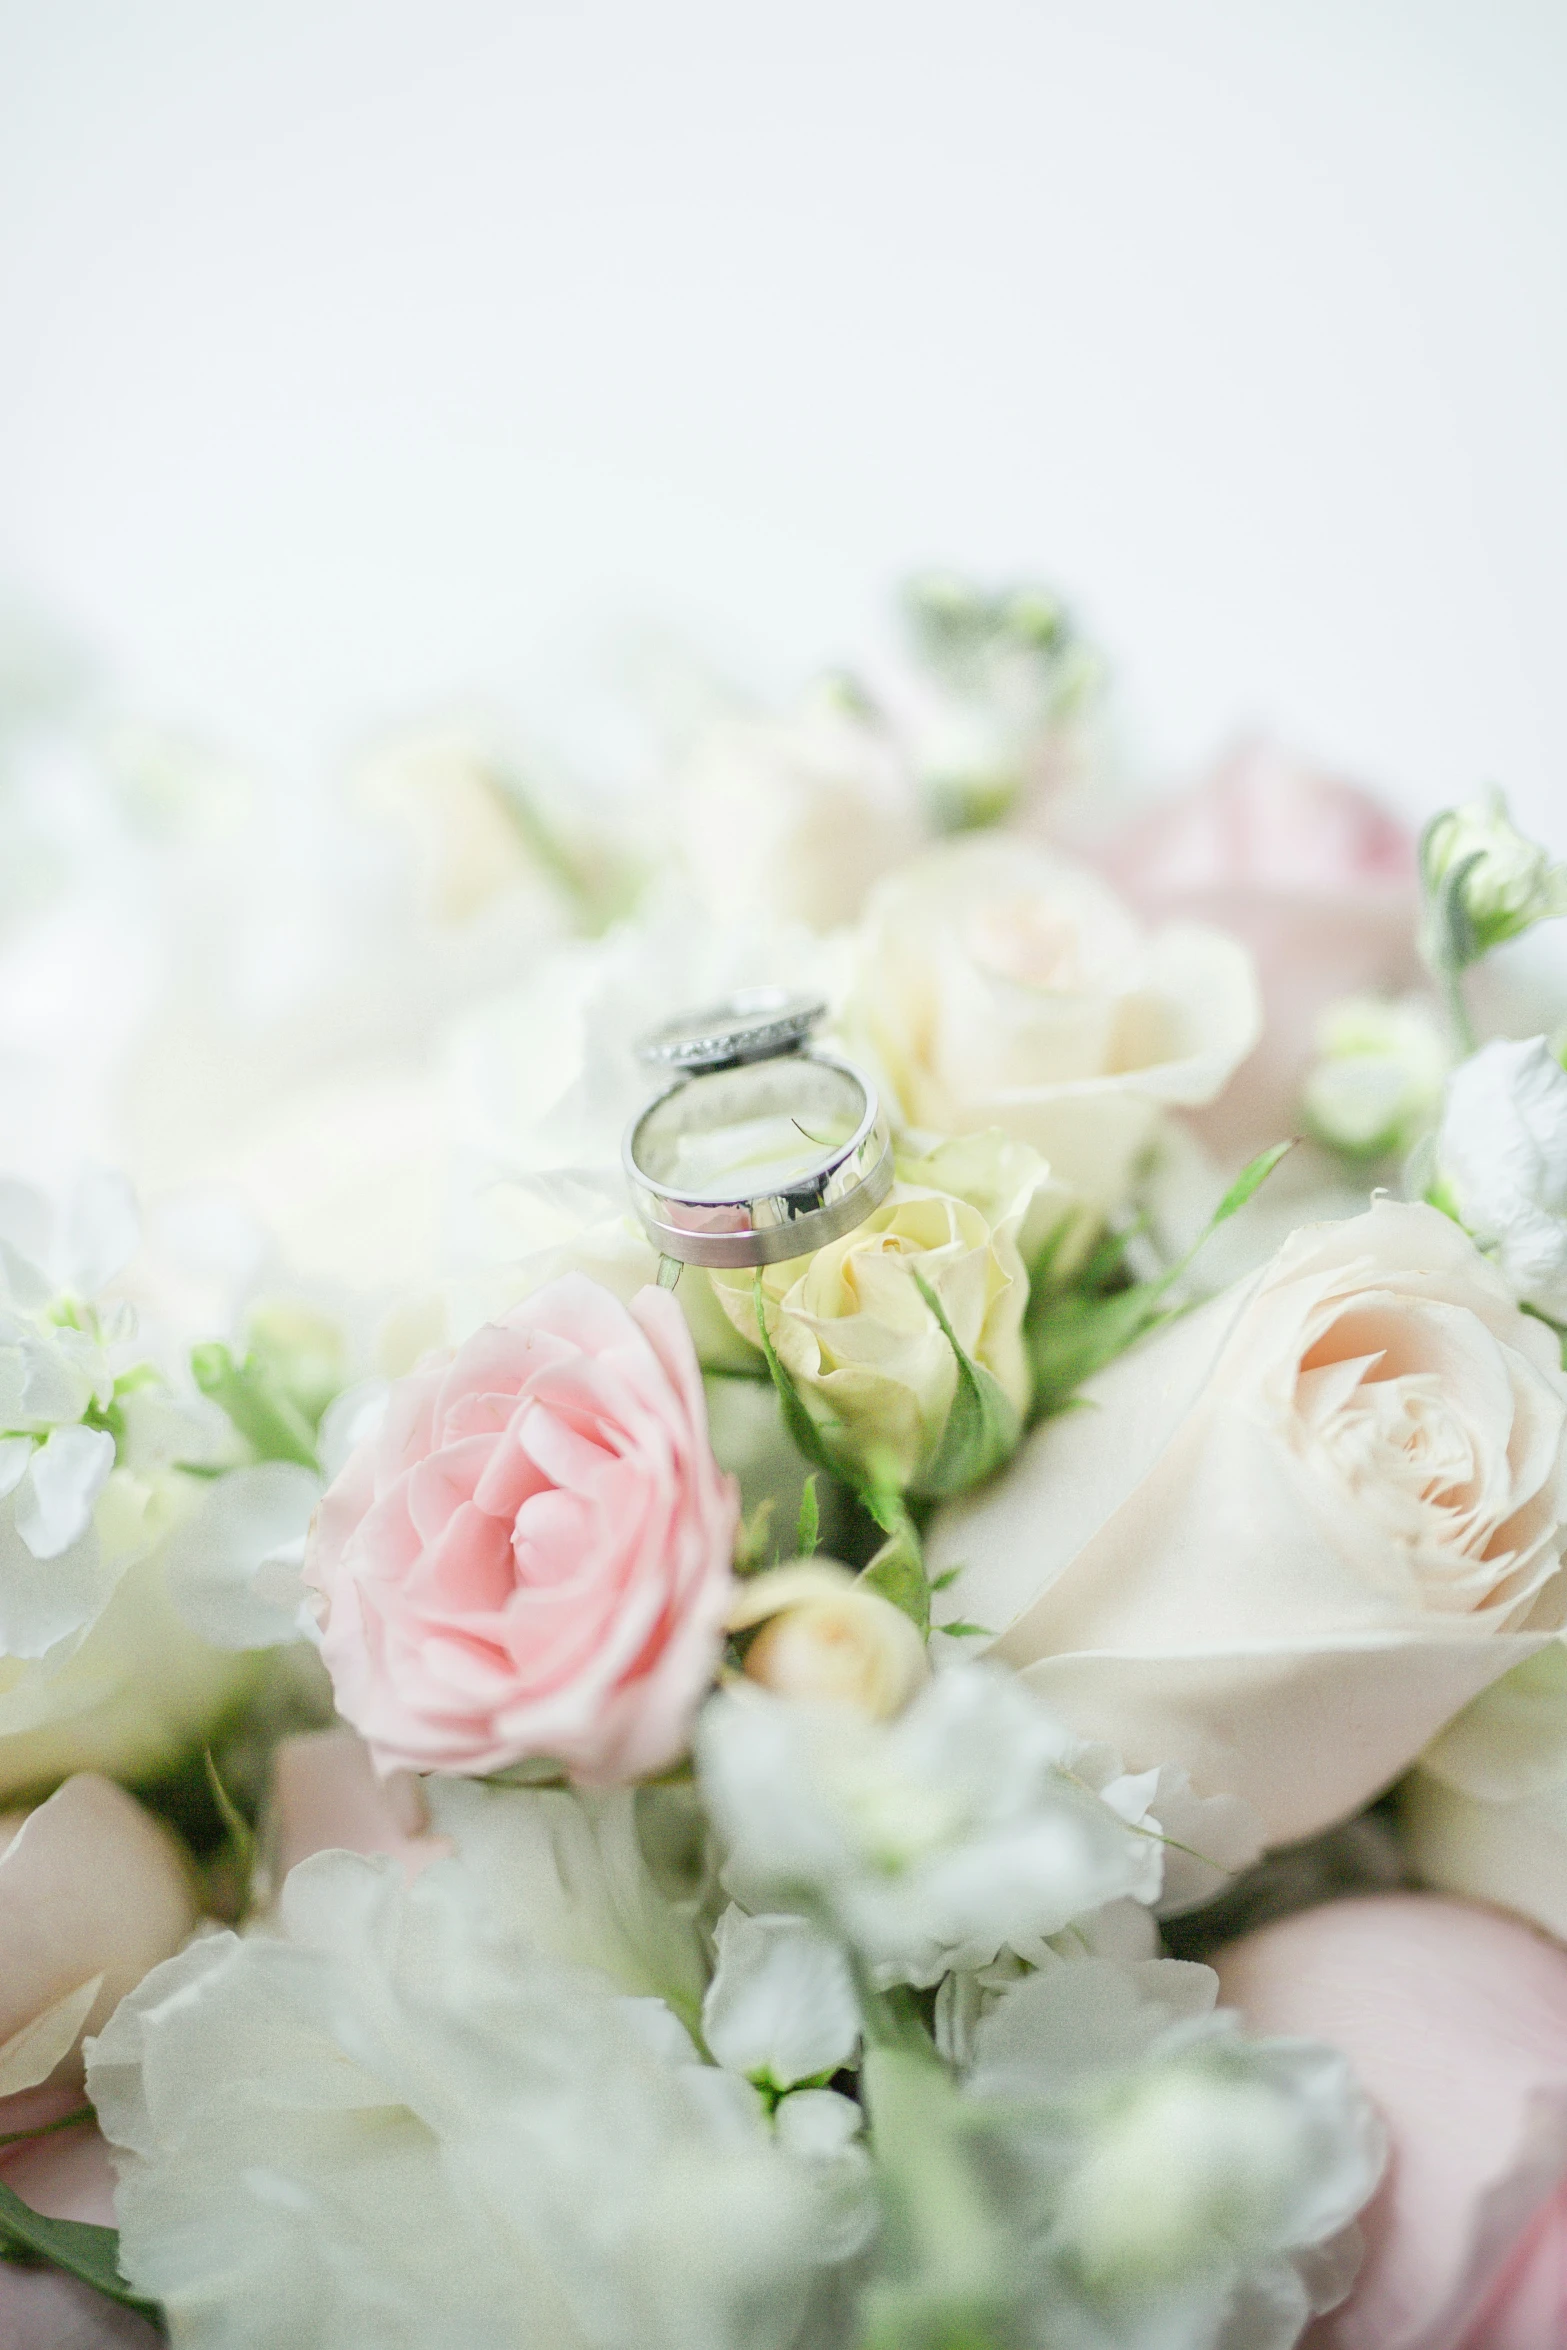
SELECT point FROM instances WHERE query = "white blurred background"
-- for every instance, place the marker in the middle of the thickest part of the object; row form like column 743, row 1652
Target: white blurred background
column 359, row 353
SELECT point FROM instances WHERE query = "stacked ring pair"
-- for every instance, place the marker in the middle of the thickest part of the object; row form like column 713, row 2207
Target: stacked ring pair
column 762, row 1146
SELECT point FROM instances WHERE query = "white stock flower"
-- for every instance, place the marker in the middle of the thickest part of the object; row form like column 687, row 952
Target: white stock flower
column 96, row 1673
column 562, row 1872
column 1501, row 1156
column 387, row 2126
column 930, row 1842
column 781, row 2007
column 233, row 1567
column 997, row 984
column 1183, row 2188
column 1376, row 1082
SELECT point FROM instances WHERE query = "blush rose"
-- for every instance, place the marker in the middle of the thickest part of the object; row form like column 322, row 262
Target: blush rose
column 531, row 1556
column 1299, row 1530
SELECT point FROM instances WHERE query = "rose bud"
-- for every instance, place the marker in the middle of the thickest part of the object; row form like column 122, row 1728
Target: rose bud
column 826, row 1638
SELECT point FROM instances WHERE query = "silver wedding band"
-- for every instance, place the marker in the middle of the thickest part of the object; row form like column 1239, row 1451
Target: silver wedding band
column 747, row 1073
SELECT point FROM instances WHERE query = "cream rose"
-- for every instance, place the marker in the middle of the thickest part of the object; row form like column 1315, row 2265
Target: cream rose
column 1296, row 1532
column 1000, row 985
column 855, row 1332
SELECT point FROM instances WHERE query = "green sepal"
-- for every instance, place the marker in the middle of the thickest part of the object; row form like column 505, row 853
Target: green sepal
column 83, row 2251
column 983, row 1426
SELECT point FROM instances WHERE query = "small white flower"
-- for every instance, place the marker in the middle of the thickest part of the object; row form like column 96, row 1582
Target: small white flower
column 1501, row 1155
column 1192, row 2189
column 930, row 1842
column 781, row 2007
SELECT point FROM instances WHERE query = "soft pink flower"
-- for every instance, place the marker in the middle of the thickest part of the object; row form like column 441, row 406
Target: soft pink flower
column 91, row 1886
column 532, row 1555
column 68, row 2175
column 1315, row 877
column 326, row 1797
column 1455, row 2019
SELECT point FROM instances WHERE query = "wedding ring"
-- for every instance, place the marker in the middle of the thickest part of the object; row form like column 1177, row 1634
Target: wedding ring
column 763, row 1147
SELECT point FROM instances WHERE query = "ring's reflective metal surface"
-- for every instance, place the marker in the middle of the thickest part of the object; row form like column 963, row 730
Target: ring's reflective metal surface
column 766, row 1149
column 755, row 1024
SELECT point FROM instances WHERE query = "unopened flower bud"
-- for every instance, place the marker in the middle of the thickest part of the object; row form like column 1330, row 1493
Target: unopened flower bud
column 1377, row 1082
column 1485, row 882
column 825, row 1638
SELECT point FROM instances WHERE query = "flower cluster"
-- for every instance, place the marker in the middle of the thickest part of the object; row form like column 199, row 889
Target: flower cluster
column 559, row 1807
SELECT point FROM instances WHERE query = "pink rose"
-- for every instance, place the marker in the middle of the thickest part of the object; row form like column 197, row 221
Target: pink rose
column 532, row 1555
column 1455, row 2019
column 1316, row 878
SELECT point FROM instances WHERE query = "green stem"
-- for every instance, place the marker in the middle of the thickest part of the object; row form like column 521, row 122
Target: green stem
column 66, row 2121
column 1458, row 1008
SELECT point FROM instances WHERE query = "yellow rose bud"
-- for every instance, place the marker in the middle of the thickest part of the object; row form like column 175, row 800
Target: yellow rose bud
column 855, row 1332
column 825, row 1638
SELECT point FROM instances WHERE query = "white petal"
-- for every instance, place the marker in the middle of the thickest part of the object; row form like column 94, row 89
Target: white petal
column 15, row 1453
column 781, row 2005
column 31, row 2054
column 218, row 1561
column 54, row 1503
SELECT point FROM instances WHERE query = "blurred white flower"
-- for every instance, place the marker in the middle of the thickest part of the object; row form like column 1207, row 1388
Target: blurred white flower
column 95, row 1673
column 781, row 2007
column 233, row 1566
column 561, row 1871
column 387, row 2126
column 997, row 984
column 930, row 1842
column 795, row 816
column 1180, row 2187
column 1376, row 1083
column 1501, row 1159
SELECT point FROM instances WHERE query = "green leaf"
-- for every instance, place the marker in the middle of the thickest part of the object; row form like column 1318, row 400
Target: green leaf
column 983, row 1426
column 1250, row 1179
column 242, row 1836
column 945, row 1581
column 273, row 1427
column 806, row 1434
column 810, row 1527
column 1082, row 1334
column 898, row 1572
column 961, row 1629
column 90, row 2253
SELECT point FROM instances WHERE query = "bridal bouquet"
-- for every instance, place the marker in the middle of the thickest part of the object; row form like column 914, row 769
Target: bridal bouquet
column 994, row 1781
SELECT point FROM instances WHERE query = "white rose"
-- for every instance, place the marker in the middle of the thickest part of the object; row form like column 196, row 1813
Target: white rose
column 1501, row 1155
column 999, row 985
column 1297, row 1531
